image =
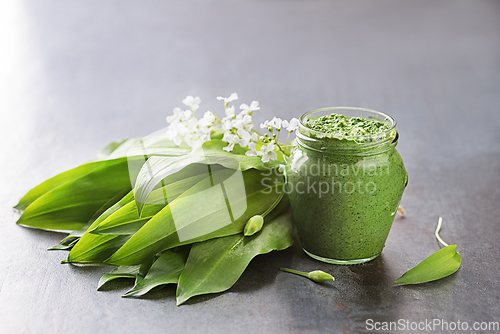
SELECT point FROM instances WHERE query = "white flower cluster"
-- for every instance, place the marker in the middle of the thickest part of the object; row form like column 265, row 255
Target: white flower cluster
column 278, row 123
column 184, row 126
column 238, row 128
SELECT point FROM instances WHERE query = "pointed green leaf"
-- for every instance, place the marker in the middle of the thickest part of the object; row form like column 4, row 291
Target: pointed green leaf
column 96, row 248
column 157, row 168
column 165, row 270
column 215, row 265
column 442, row 263
column 153, row 171
column 127, row 221
column 70, row 205
column 144, row 268
column 69, row 241
column 120, row 272
column 55, row 182
column 208, row 210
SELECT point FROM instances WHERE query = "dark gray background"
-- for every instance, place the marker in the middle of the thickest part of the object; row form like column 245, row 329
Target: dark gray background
column 78, row 74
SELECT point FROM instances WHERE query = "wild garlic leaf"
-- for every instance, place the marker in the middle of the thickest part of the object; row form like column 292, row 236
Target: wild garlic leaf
column 165, row 270
column 55, row 182
column 93, row 248
column 442, row 263
column 127, row 221
column 120, row 272
column 158, row 168
column 69, row 241
column 72, row 204
column 137, row 272
column 215, row 265
column 200, row 214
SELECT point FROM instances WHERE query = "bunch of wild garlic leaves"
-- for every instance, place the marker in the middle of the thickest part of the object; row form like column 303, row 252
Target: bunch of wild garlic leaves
column 190, row 205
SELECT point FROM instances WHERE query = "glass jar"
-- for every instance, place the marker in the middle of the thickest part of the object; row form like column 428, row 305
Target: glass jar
column 345, row 192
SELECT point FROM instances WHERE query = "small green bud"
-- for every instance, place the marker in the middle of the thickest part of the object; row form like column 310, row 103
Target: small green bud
column 320, row 276
column 253, row 225
column 317, row 276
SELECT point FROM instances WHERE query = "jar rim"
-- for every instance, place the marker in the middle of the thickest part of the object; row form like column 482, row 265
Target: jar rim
column 358, row 138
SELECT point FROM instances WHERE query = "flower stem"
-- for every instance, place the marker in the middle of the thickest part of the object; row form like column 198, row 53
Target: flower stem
column 295, row 272
column 288, row 138
column 279, row 148
column 257, row 132
column 440, row 221
column 276, row 202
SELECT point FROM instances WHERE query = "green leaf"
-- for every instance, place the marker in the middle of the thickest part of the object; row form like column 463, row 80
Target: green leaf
column 208, row 210
column 153, row 171
column 215, row 265
column 165, row 270
column 127, row 221
column 96, row 248
column 72, row 204
column 144, row 268
column 155, row 143
column 157, row 168
column 442, row 263
column 120, row 272
column 69, row 241
column 137, row 272
column 55, row 182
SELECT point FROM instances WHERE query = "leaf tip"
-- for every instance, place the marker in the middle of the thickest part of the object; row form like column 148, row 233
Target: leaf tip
column 19, row 207
column 128, row 295
column 181, row 301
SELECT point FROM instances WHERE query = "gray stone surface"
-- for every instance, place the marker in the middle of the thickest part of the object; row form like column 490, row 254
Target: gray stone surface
column 75, row 75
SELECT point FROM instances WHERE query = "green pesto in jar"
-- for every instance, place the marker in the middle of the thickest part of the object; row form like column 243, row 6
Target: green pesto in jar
column 345, row 180
column 340, row 126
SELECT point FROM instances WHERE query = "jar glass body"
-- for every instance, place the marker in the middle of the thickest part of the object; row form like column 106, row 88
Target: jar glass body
column 345, row 192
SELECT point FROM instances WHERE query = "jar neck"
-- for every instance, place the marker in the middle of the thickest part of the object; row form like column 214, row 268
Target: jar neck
column 335, row 146
column 353, row 143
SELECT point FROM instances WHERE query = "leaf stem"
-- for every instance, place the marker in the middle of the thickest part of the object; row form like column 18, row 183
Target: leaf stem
column 440, row 221
column 295, row 272
column 276, row 202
